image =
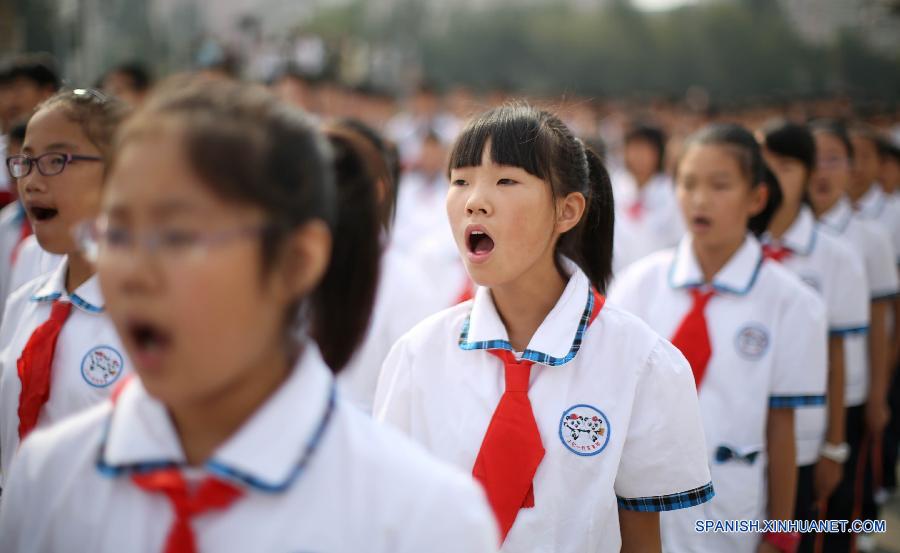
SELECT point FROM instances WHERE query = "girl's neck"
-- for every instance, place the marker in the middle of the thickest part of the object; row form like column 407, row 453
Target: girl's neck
column 524, row 303
column 642, row 182
column 712, row 258
column 204, row 425
column 79, row 270
column 783, row 219
column 823, row 209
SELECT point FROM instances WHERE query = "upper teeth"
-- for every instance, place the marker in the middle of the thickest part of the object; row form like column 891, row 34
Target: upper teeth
column 476, row 232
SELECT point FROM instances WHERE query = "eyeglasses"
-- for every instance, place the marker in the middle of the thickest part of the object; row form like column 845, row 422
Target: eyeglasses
column 49, row 164
column 101, row 241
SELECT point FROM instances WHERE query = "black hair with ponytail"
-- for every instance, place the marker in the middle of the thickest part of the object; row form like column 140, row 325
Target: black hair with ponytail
column 746, row 151
column 540, row 143
column 791, row 140
column 251, row 149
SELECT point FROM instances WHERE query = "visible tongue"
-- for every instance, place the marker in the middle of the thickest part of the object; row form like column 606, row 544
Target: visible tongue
column 484, row 244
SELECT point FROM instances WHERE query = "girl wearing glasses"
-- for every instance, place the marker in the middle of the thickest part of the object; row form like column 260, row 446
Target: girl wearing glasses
column 59, row 352
column 238, row 252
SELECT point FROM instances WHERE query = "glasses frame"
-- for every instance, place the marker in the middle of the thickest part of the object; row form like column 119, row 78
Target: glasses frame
column 36, row 162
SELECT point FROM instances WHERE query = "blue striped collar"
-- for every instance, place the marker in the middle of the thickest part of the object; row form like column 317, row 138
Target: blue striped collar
column 801, row 236
column 86, row 297
column 266, row 453
column 838, row 217
column 737, row 276
column 558, row 338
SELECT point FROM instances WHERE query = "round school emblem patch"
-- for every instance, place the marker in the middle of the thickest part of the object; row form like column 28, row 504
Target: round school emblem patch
column 584, row 430
column 102, row 366
column 752, row 342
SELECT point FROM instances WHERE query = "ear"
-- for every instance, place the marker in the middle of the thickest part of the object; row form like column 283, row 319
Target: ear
column 569, row 211
column 759, row 196
column 305, row 258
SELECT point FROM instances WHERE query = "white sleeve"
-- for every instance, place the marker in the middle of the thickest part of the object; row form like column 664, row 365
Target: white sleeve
column 19, row 523
column 393, row 401
column 848, row 300
column 451, row 517
column 800, row 365
column 881, row 265
column 664, row 464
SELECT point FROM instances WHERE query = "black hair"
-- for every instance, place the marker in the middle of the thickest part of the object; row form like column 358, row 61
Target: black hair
column 836, row 129
column 887, row 149
column 383, row 165
column 791, row 140
column 138, row 73
column 540, row 143
column 748, row 154
column 250, row 148
column 652, row 135
column 40, row 69
column 98, row 115
column 17, row 132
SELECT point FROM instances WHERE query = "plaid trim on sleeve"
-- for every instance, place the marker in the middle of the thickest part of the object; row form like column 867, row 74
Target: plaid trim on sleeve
column 786, row 402
column 848, row 330
column 672, row 502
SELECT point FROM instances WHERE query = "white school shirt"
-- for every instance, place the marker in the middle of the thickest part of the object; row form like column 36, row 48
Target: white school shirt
column 11, row 217
column 873, row 244
column 441, row 386
column 659, row 225
column 875, row 205
column 403, row 299
column 32, row 262
column 316, row 474
column 769, row 337
column 837, row 274
column 88, row 360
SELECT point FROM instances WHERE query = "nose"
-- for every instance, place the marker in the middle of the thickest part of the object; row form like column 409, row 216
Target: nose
column 478, row 201
column 33, row 182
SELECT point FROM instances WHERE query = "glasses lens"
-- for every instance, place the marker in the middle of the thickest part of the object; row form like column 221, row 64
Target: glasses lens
column 18, row 166
column 52, row 164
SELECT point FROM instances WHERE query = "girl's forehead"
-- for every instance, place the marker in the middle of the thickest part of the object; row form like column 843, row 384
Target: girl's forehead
column 52, row 129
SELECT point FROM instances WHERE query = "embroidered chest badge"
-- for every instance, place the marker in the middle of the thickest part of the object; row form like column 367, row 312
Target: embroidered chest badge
column 584, row 430
column 752, row 342
column 102, row 366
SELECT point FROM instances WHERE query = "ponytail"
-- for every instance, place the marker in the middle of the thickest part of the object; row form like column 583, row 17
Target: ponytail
column 342, row 305
column 590, row 243
column 760, row 222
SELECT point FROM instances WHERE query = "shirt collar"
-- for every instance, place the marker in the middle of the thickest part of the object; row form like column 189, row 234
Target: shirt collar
column 264, row 454
column 800, row 237
column 558, row 338
column 873, row 201
column 838, row 217
column 86, row 297
column 737, row 276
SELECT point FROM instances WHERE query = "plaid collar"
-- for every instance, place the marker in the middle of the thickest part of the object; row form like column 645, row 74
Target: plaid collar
column 86, row 297
column 801, row 236
column 737, row 276
column 838, row 217
column 264, row 454
column 558, row 338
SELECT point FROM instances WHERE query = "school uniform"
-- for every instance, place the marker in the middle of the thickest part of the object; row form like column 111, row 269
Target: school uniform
column 32, row 261
column 306, row 472
column 647, row 219
column 13, row 229
column 855, row 489
column 611, row 419
column 837, row 274
column 404, row 298
column 875, row 205
column 87, row 358
column 766, row 347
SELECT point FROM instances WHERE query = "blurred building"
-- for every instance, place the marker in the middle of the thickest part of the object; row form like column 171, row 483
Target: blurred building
column 821, row 21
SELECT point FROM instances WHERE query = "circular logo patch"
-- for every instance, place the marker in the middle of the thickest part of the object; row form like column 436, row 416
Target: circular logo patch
column 752, row 342
column 102, row 366
column 584, row 430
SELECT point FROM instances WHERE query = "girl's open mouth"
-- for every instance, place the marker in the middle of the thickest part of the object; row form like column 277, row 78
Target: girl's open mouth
column 479, row 242
column 42, row 213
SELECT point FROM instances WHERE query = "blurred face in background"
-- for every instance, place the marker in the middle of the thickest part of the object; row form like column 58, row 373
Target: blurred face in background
column 21, row 98
column 866, row 165
column 832, row 176
column 122, row 86
column 433, row 157
column 641, row 160
column 890, row 174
